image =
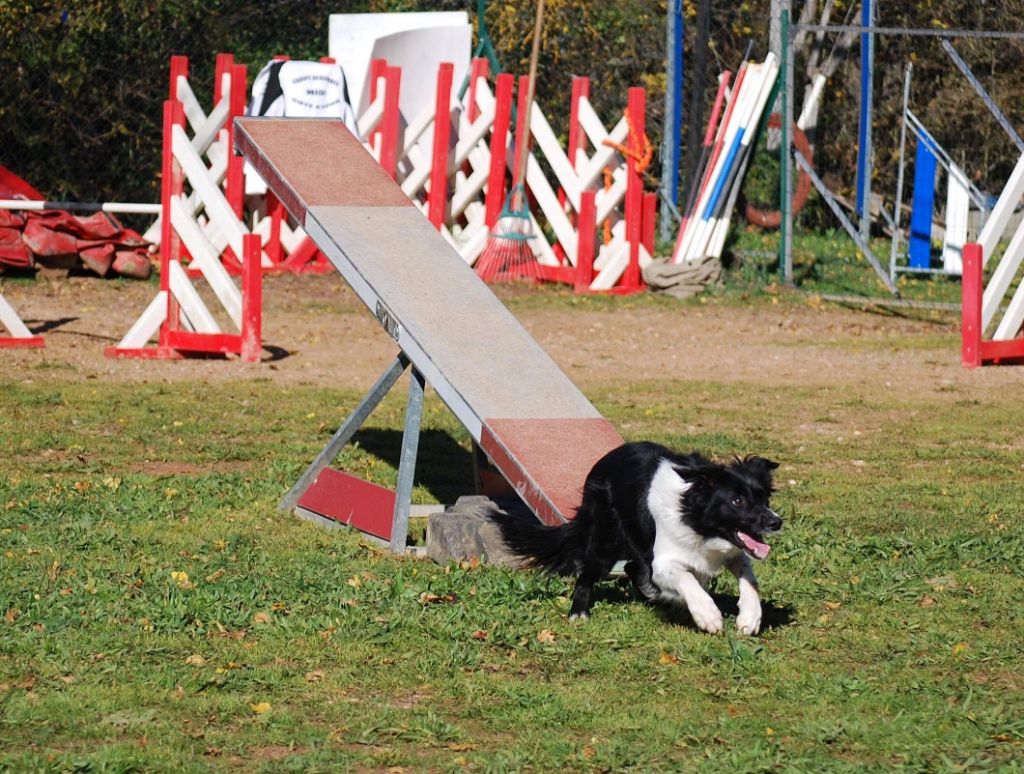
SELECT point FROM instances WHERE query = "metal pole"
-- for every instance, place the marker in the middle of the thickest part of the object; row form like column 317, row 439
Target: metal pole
column 673, row 118
column 345, row 432
column 985, row 97
column 785, row 155
column 864, row 165
column 830, row 200
column 894, row 247
column 37, row 205
column 407, row 463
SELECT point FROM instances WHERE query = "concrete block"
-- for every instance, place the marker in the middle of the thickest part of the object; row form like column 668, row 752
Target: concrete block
column 465, row 532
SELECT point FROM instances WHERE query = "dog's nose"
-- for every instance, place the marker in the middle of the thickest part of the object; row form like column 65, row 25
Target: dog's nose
column 772, row 522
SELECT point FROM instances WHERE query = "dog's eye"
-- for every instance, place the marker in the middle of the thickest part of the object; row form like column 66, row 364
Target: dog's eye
column 737, row 501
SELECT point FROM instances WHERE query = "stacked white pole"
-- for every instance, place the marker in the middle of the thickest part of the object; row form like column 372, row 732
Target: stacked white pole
column 704, row 233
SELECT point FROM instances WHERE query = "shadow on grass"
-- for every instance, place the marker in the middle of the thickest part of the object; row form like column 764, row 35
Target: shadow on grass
column 443, row 467
column 773, row 615
column 621, row 592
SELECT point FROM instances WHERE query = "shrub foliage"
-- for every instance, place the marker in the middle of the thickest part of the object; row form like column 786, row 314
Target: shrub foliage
column 83, row 82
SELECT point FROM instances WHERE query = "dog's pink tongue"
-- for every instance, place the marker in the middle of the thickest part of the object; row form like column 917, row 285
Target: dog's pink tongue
column 757, row 548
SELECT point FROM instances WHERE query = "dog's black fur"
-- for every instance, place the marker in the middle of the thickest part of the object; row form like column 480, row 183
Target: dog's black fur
column 615, row 520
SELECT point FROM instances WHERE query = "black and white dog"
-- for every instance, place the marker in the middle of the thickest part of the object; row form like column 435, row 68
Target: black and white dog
column 677, row 520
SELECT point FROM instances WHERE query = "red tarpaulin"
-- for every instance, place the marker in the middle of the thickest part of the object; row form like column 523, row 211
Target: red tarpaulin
column 57, row 238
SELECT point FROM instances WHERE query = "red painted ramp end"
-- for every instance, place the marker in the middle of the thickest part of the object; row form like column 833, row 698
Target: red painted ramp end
column 351, row 501
column 547, row 460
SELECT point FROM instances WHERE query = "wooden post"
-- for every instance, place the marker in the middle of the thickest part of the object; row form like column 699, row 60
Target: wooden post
column 389, row 131
column 479, row 68
column 171, row 184
column 586, row 229
column 499, row 148
column 634, row 192
column 971, row 289
column 252, row 299
column 437, row 197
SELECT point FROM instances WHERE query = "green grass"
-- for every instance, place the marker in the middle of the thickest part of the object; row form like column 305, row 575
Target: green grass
column 893, row 595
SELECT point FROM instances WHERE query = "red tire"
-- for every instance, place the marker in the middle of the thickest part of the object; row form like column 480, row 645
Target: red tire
column 773, row 218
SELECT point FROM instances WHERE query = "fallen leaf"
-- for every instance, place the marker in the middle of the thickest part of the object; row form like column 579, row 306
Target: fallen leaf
column 546, row 636
column 232, row 635
column 430, row 598
column 926, row 601
column 668, row 658
column 462, row 746
column 214, row 576
column 479, row 634
column 959, row 648
column 260, row 707
column 315, row 676
column 195, row 660
column 11, row 615
column 261, row 618
column 181, row 578
column 833, row 605
column 355, row 581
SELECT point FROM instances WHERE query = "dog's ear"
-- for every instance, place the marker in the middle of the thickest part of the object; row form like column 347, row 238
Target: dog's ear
column 760, row 467
column 710, row 475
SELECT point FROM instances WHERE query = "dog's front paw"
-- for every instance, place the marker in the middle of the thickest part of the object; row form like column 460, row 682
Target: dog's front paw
column 707, row 617
column 579, row 617
column 748, row 622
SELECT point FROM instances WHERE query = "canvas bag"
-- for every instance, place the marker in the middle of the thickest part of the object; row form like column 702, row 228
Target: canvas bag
column 306, row 89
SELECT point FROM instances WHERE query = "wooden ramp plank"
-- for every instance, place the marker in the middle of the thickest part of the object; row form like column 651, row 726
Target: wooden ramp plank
column 540, row 431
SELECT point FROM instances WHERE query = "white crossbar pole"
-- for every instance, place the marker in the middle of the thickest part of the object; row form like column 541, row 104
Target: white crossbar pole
column 697, row 225
column 12, row 321
column 550, row 206
column 958, row 205
column 545, row 139
column 1000, row 215
column 194, row 113
column 720, row 225
column 213, row 198
column 1001, row 278
column 192, row 305
column 148, row 324
column 207, row 260
column 1011, row 323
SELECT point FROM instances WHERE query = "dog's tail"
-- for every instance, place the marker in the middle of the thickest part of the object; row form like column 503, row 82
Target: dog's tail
column 556, row 550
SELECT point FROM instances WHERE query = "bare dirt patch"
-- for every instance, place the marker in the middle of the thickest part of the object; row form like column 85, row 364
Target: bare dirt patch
column 316, row 331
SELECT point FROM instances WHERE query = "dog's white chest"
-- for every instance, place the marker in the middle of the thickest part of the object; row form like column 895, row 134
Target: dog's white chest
column 674, row 541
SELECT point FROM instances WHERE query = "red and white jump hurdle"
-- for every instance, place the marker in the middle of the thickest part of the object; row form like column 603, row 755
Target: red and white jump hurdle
column 981, row 303
column 453, row 161
column 203, row 226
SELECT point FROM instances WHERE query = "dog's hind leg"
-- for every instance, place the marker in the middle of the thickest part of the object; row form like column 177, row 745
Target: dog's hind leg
column 594, row 570
column 639, row 571
column 582, row 595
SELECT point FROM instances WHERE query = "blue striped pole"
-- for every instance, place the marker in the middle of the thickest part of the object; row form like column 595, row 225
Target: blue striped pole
column 673, row 125
column 867, row 68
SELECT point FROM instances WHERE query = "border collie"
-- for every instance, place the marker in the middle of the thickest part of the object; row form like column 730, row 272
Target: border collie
column 677, row 520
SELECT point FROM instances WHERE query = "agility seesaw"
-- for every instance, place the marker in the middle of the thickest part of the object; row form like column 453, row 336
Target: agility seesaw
column 537, row 428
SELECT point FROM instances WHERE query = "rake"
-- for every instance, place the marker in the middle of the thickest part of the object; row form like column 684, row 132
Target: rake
column 508, row 254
